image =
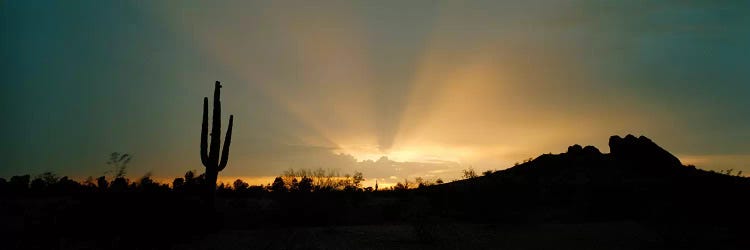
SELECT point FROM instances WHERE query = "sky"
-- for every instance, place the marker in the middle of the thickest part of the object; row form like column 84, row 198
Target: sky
column 393, row 89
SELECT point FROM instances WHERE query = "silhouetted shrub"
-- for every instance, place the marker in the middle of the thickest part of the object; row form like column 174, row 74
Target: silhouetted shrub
column 401, row 186
column 293, row 186
column 323, row 180
column 178, row 184
column 278, row 185
column 120, row 184
column 102, row 183
column 469, row 173
column 240, row 185
column 65, row 185
column 305, row 185
column 193, row 184
column 38, row 185
column 89, row 183
column 147, row 184
column 223, row 188
column 256, row 189
column 19, row 183
column 49, row 178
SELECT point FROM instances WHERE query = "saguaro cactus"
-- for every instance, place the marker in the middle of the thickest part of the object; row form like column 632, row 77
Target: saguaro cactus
column 210, row 155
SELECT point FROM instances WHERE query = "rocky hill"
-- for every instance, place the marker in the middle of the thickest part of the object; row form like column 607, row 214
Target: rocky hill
column 637, row 180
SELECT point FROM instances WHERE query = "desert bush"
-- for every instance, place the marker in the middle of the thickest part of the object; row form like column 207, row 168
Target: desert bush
column 469, row 173
column 240, row 186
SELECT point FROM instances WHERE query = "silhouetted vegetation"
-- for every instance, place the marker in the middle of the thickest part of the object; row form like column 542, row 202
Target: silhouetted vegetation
column 118, row 163
column 469, row 173
column 638, row 182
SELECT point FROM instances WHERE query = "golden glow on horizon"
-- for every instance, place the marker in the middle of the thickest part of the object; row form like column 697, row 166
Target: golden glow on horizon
column 266, row 180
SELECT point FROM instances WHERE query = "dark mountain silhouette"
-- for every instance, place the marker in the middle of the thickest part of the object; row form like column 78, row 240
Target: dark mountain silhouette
column 637, row 180
column 630, row 159
column 641, row 151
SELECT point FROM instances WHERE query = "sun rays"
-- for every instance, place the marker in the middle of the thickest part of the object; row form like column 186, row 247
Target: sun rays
column 325, row 76
column 434, row 82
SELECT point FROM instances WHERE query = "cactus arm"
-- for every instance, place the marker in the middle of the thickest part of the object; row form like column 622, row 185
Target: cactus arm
column 213, row 155
column 204, row 134
column 227, row 142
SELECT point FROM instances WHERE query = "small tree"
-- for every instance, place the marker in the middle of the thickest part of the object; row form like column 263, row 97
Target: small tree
column 357, row 179
column 347, row 183
column 118, row 164
column 421, row 182
column 469, row 173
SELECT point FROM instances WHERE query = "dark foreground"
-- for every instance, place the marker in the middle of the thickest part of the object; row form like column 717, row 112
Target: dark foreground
column 636, row 197
column 607, row 235
column 381, row 220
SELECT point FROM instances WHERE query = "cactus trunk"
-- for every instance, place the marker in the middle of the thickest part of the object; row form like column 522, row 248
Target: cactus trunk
column 210, row 157
column 211, row 177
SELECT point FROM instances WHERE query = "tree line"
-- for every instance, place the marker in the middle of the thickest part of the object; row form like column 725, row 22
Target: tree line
column 302, row 180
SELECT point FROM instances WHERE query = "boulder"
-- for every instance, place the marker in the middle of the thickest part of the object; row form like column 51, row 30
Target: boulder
column 575, row 149
column 591, row 150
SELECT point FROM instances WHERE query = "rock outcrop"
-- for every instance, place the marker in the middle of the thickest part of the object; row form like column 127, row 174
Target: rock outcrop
column 588, row 150
column 591, row 150
column 575, row 149
column 640, row 150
